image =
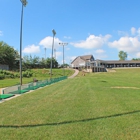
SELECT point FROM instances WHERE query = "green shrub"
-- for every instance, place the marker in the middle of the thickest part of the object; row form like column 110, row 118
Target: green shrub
column 27, row 74
column 1, row 71
column 12, row 75
column 16, row 75
column 2, row 76
column 7, row 73
column 7, row 76
column 4, row 72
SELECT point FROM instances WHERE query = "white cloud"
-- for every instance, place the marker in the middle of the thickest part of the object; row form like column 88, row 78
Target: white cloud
column 67, row 37
column 129, row 57
column 138, row 31
column 122, row 33
column 92, row 42
column 47, row 42
column 128, row 44
column 138, row 55
column 1, row 33
column 100, row 51
column 31, row 49
column 58, row 54
column 100, row 54
column 133, row 31
column 67, row 49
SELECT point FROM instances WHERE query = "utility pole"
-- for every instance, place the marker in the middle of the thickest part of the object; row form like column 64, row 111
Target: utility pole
column 45, row 53
column 24, row 3
column 63, row 44
column 54, row 33
column 55, row 53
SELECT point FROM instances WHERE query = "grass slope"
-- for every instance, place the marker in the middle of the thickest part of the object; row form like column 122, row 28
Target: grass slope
column 83, row 108
column 39, row 74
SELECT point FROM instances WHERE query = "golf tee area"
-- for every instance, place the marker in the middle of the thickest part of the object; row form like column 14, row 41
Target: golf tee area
column 92, row 106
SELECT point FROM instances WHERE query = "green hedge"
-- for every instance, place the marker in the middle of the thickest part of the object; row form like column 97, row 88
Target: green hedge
column 2, row 76
column 9, row 74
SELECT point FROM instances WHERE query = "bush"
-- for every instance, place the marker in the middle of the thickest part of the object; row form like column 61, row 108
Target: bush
column 1, row 71
column 27, row 74
column 7, row 76
column 7, row 73
column 2, row 76
column 16, row 75
column 4, row 72
column 12, row 75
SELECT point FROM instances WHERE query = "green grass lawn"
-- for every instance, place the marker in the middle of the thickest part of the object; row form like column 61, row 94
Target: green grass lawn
column 40, row 74
column 97, row 106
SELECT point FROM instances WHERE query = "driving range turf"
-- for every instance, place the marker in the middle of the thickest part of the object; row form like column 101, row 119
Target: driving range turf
column 91, row 107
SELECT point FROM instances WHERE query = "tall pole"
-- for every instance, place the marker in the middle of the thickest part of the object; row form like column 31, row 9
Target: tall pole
column 63, row 44
column 45, row 53
column 63, row 62
column 24, row 3
column 54, row 33
column 21, row 46
column 54, row 53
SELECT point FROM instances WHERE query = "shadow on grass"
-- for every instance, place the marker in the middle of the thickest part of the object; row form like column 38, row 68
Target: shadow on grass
column 104, row 81
column 69, row 122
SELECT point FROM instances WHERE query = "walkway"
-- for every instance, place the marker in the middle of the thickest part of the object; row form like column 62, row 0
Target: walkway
column 76, row 73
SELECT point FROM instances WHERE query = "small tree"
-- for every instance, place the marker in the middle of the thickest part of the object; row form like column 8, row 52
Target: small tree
column 122, row 55
column 8, row 55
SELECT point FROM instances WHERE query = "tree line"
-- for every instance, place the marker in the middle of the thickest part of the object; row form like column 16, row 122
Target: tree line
column 9, row 56
column 123, row 56
column 30, row 62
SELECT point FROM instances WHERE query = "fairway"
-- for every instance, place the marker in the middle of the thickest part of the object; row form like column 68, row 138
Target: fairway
column 97, row 106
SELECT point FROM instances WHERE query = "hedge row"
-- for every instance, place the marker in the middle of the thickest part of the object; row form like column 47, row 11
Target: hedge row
column 8, row 74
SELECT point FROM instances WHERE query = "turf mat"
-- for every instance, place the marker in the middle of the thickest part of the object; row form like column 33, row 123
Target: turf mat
column 5, row 96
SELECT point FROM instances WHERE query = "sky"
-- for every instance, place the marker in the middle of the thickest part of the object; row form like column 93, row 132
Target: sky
column 98, row 27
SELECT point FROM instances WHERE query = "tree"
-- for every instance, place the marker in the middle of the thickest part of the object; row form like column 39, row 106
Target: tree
column 122, row 55
column 35, row 62
column 136, row 59
column 8, row 55
column 65, row 65
column 54, row 63
column 30, row 62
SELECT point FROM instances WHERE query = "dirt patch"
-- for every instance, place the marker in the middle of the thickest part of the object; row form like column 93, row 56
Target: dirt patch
column 127, row 87
column 111, row 70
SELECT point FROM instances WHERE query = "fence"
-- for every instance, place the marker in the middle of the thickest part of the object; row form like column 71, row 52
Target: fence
column 31, row 86
column 4, row 67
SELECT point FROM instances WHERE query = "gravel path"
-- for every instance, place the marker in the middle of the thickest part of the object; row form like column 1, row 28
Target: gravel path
column 76, row 73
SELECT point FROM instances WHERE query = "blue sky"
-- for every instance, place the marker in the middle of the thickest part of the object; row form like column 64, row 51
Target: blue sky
column 98, row 27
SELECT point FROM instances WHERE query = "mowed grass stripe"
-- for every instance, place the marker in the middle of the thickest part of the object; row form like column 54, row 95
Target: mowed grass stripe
column 85, row 107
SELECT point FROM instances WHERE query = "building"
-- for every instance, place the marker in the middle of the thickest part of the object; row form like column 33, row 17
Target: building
column 103, row 65
column 88, row 62
column 120, row 63
column 82, row 61
column 4, row 67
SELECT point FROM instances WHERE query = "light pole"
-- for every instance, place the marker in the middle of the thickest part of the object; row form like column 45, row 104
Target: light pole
column 63, row 44
column 24, row 3
column 54, row 33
